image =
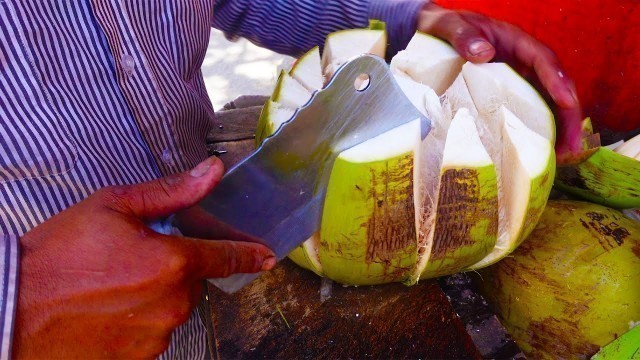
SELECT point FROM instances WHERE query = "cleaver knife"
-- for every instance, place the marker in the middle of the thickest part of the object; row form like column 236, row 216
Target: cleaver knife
column 276, row 194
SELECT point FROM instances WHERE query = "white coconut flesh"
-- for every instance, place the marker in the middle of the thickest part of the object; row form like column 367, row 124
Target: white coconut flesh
column 525, row 158
column 344, row 45
column 493, row 85
column 465, row 172
column 463, row 131
column 630, row 148
column 428, row 61
column 513, row 134
column 308, row 70
column 278, row 115
column 289, row 92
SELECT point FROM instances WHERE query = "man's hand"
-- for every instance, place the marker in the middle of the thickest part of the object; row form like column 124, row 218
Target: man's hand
column 480, row 39
column 96, row 282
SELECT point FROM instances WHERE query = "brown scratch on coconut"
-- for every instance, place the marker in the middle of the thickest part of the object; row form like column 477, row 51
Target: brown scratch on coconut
column 459, row 194
column 607, row 229
column 387, row 230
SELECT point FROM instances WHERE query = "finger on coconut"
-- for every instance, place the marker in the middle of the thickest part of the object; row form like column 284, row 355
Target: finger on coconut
column 367, row 236
column 528, row 169
column 429, row 61
column 308, row 70
column 466, row 225
column 343, row 45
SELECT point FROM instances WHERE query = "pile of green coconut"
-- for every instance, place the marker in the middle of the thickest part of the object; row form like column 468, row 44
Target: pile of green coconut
column 401, row 208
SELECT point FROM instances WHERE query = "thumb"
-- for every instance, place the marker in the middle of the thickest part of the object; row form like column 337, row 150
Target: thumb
column 165, row 196
column 209, row 259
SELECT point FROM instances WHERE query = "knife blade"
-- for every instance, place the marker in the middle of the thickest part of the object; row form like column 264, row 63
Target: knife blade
column 277, row 194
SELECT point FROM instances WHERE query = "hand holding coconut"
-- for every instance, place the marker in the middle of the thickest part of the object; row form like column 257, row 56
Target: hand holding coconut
column 480, row 39
column 97, row 277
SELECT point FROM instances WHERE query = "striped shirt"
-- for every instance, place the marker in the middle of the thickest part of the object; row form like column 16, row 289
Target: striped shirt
column 105, row 92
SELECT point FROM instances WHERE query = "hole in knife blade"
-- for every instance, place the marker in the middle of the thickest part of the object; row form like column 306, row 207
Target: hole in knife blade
column 362, row 82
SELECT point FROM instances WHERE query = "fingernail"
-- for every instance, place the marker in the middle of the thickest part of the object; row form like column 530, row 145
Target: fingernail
column 479, row 47
column 201, row 169
column 268, row 263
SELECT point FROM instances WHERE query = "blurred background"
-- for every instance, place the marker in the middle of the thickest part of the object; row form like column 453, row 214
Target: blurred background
column 238, row 68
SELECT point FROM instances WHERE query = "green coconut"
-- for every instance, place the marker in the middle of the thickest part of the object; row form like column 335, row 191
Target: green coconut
column 625, row 347
column 402, row 208
column 466, row 223
column 606, row 178
column 368, row 233
column 572, row 286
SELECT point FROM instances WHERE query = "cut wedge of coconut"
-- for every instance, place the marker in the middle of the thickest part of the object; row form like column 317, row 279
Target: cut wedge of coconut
column 429, row 61
column 308, row 70
column 368, row 232
column 306, row 255
column 466, row 224
column 346, row 44
column 527, row 172
column 494, row 85
column 289, row 92
column 273, row 115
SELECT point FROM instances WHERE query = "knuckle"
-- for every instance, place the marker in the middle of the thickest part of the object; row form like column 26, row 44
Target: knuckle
column 231, row 259
column 113, row 197
column 176, row 266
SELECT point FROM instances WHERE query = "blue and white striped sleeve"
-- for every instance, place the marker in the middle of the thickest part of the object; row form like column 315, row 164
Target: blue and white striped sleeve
column 9, row 252
column 293, row 27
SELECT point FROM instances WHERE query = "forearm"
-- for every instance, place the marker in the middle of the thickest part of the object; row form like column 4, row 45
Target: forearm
column 292, row 27
column 9, row 266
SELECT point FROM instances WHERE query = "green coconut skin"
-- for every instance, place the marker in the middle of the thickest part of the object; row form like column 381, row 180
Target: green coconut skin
column 606, row 178
column 262, row 129
column 466, row 220
column 572, row 286
column 538, row 196
column 625, row 347
column 368, row 234
column 302, row 257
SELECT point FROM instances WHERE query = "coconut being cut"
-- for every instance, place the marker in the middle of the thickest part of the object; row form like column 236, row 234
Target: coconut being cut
column 399, row 207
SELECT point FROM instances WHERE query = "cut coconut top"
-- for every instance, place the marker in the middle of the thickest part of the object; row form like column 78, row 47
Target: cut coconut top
column 630, row 148
column 463, row 147
column 289, row 92
column 308, row 70
column 278, row 115
column 385, row 146
column 493, row 85
column 532, row 149
column 429, row 61
column 344, row 45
